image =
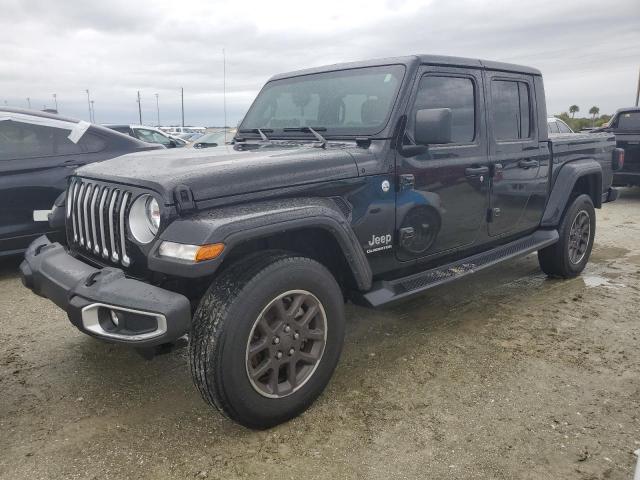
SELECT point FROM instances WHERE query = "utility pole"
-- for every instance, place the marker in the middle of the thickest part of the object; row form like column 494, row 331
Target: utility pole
column 139, row 108
column 93, row 112
column 158, row 108
column 224, row 92
column 29, row 102
column 182, row 101
column 638, row 90
column 55, row 101
column 88, row 103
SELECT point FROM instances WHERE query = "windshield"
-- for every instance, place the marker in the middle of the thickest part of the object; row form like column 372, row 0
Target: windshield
column 345, row 102
column 629, row 121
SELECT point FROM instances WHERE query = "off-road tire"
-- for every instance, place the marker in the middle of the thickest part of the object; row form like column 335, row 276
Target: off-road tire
column 555, row 259
column 224, row 322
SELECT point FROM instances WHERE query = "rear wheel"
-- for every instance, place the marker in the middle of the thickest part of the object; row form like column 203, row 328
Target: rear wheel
column 568, row 257
column 266, row 338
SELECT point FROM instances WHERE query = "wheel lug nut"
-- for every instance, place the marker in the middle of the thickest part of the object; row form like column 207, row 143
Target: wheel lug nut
column 291, row 352
column 296, row 336
column 279, row 355
column 287, row 329
column 276, row 340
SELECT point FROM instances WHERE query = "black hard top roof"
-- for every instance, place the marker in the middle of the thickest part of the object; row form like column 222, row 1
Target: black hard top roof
column 627, row 109
column 423, row 59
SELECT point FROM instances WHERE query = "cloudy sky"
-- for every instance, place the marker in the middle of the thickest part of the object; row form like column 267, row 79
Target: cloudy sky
column 588, row 50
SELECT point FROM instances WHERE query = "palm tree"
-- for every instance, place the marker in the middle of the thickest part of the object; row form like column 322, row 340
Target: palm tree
column 593, row 111
column 573, row 109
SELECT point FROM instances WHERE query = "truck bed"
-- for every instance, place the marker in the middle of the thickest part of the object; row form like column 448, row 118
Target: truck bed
column 568, row 147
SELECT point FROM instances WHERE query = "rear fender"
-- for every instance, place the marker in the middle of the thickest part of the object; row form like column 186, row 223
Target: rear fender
column 565, row 182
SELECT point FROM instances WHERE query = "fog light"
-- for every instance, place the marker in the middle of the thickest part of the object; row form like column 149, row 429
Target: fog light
column 114, row 318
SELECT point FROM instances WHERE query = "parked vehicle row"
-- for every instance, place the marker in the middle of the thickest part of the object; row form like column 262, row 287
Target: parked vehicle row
column 370, row 181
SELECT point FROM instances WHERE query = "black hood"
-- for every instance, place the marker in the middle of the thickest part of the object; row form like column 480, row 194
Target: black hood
column 226, row 170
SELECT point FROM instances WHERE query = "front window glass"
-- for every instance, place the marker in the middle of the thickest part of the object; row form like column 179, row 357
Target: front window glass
column 346, row 102
column 454, row 93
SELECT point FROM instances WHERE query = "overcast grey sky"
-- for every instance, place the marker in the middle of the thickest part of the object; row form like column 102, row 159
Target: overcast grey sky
column 588, row 50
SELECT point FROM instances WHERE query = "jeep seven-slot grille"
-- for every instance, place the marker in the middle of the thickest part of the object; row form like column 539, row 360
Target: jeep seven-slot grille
column 96, row 219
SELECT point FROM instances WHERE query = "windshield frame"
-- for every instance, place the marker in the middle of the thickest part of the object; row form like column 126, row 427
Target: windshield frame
column 281, row 134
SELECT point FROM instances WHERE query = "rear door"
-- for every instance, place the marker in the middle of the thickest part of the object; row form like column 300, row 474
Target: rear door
column 442, row 194
column 519, row 161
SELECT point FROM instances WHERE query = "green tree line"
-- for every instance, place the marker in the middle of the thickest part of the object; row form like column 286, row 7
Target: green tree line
column 577, row 124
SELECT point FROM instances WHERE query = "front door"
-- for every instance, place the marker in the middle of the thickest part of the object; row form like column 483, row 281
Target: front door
column 442, row 193
column 519, row 160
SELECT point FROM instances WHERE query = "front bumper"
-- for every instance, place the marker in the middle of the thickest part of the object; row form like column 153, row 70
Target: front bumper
column 145, row 315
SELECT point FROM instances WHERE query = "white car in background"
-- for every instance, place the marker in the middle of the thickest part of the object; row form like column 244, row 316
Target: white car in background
column 213, row 139
column 555, row 125
column 148, row 134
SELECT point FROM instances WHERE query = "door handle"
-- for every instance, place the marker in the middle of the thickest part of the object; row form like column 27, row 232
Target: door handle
column 528, row 163
column 475, row 171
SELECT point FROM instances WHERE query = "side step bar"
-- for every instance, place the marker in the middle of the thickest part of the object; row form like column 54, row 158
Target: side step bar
column 386, row 291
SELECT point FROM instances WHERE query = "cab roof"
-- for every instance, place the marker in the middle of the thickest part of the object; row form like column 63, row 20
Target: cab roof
column 441, row 60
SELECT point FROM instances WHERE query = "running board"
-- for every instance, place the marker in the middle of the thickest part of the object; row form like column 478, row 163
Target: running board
column 386, row 291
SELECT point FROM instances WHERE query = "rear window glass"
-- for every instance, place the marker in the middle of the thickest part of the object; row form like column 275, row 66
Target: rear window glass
column 24, row 140
column 629, row 121
column 511, row 110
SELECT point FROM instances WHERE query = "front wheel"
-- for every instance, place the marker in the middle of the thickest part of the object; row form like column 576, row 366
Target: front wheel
column 266, row 338
column 568, row 257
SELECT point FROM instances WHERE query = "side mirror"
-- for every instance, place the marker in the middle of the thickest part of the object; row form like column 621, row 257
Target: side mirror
column 433, row 126
column 172, row 144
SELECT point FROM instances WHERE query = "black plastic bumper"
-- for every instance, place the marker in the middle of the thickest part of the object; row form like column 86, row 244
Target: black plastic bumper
column 147, row 315
column 622, row 178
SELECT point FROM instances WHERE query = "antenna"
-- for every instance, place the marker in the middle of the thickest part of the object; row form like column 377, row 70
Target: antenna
column 224, row 92
column 182, row 102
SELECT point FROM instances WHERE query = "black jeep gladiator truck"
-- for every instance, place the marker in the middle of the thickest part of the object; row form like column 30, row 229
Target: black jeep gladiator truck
column 625, row 125
column 367, row 181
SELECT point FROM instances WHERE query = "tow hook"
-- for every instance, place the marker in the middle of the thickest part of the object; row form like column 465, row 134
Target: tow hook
column 148, row 353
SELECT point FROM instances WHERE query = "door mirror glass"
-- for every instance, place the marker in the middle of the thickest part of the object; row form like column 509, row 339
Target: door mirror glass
column 433, row 126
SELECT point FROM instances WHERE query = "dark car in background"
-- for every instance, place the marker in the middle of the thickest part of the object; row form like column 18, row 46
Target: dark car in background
column 625, row 125
column 149, row 135
column 38, row 151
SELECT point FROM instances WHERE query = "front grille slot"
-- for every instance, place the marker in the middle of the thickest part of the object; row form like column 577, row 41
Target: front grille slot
column 96, row 217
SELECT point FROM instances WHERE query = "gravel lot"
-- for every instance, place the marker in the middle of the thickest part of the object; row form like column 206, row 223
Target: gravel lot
column 506, row 374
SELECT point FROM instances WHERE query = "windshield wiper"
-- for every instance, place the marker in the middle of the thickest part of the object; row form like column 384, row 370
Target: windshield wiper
column 314, row 132
column 259, row 131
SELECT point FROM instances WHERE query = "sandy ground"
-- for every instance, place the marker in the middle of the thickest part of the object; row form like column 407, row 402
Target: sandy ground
column 503, row 375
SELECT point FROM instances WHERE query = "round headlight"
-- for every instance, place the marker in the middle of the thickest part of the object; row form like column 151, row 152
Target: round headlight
column 144, row 218
column 153, row 213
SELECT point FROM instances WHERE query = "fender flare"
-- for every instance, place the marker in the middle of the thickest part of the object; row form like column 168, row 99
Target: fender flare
column 237, row 224
column 563, row 185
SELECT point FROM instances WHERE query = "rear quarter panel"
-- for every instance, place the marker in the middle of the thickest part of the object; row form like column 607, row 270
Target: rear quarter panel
column 570, row 147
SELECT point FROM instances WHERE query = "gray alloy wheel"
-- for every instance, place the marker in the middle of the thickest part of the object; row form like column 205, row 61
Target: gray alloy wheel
column 579, row 236
column 286, row 344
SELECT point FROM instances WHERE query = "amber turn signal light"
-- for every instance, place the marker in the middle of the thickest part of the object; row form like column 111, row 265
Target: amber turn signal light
column 208, row 252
